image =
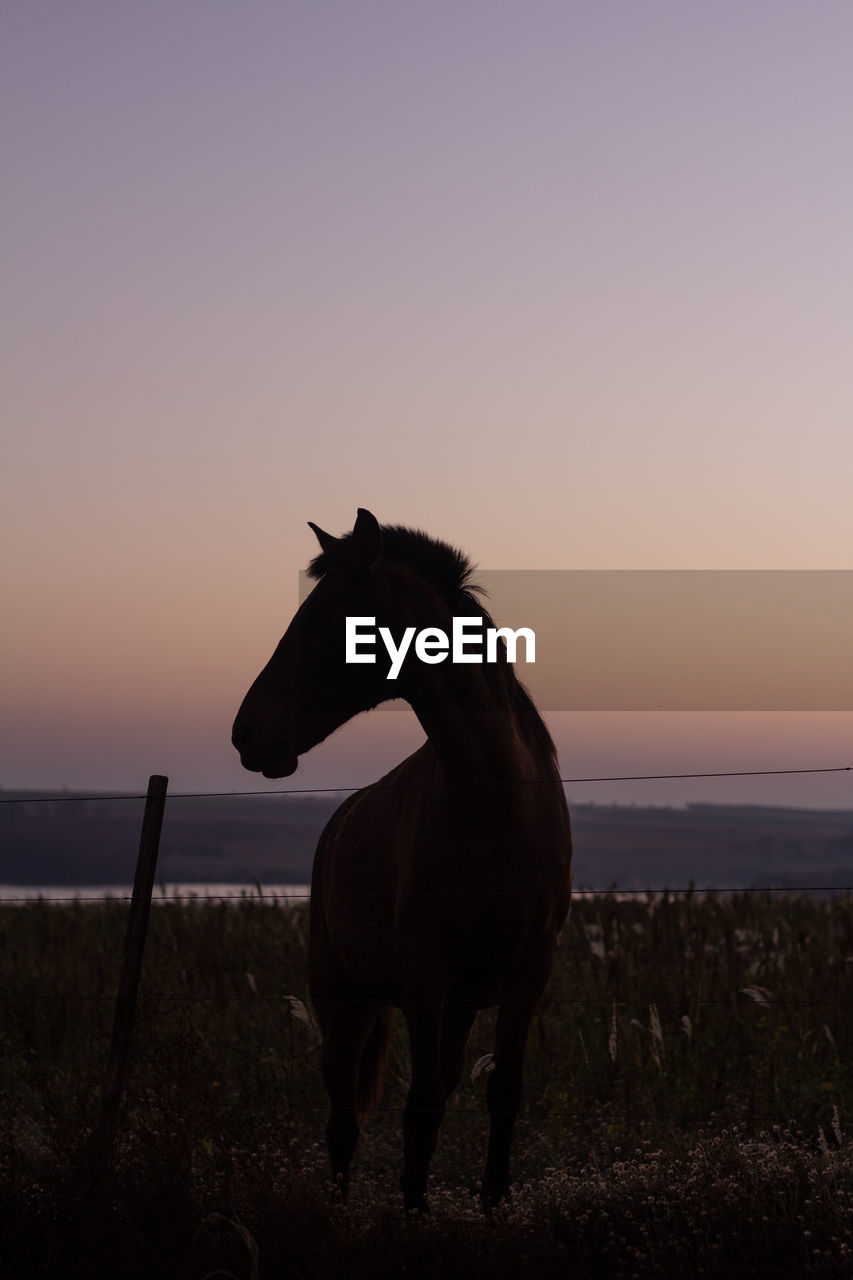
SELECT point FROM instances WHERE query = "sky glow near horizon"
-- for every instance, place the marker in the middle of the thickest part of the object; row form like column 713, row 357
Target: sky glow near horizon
column 567, row 285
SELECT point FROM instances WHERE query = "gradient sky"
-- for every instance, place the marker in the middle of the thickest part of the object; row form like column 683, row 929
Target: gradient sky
column 567, row 284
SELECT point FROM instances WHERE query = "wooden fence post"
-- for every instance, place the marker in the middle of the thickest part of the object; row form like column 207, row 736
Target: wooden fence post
column 97, row 1150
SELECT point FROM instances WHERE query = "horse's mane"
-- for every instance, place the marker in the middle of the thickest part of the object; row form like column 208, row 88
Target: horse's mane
column 449, row 572
column 445, row 568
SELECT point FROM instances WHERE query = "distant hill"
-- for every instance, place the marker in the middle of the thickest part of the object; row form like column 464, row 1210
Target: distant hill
column 720, row 846
column 76, row 841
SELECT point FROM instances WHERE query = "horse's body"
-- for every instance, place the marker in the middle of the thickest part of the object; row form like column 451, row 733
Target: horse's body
column 441, row 889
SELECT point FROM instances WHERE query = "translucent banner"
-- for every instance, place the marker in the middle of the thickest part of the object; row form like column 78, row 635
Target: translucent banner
column 679, row 640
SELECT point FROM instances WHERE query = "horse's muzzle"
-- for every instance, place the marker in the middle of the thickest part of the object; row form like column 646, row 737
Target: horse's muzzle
column 272, row 766
column 275, row 762
column 282, row 769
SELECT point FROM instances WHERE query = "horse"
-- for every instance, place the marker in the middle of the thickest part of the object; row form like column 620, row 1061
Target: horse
column 441, row 889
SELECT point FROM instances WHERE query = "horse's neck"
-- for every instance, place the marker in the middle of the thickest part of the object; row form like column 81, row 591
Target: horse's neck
column 475, row 736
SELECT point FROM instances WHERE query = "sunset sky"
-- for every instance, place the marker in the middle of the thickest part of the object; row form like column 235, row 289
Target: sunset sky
column 569, row 285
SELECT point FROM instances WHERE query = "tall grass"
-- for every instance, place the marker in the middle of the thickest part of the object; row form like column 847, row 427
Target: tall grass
column 688, row 1092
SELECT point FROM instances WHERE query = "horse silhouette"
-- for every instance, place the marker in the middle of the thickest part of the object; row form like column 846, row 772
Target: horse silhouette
column 441, row 889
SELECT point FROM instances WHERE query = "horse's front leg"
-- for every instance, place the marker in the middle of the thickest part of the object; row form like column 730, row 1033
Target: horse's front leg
column 345, row 1029
column 503, row 1093
column 425, row 1102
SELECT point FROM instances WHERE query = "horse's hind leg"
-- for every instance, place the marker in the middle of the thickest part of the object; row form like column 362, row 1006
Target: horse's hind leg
column 503, row 1094
column 345, row 1029
column 455, row 1030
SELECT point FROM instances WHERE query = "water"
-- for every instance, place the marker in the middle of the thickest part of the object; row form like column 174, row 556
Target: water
column 64, row 894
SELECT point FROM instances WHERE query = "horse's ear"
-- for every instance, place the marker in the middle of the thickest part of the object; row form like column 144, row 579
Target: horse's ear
column 366, row 539
column 328, row 543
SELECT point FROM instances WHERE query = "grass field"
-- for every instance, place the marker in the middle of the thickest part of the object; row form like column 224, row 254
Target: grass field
column 687, row 1102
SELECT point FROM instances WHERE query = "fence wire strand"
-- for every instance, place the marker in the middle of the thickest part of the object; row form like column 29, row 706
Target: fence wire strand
column 338, row 790
column 373, row 786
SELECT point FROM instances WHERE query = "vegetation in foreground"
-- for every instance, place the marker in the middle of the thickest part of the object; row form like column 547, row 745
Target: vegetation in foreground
column 688, row 1098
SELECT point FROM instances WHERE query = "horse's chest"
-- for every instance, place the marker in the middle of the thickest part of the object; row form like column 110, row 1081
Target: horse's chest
column 478, row 936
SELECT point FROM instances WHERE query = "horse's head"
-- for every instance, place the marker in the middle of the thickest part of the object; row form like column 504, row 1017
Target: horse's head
column 307, row 690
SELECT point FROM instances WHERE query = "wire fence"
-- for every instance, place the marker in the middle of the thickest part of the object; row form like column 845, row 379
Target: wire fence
column 695, row 1002
column 831, row 1008
column 200, row 895
column 294, row 895
column 374, row 786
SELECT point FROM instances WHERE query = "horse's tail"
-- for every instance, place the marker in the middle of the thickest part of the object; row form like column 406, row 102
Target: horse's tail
column 372, row 1066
